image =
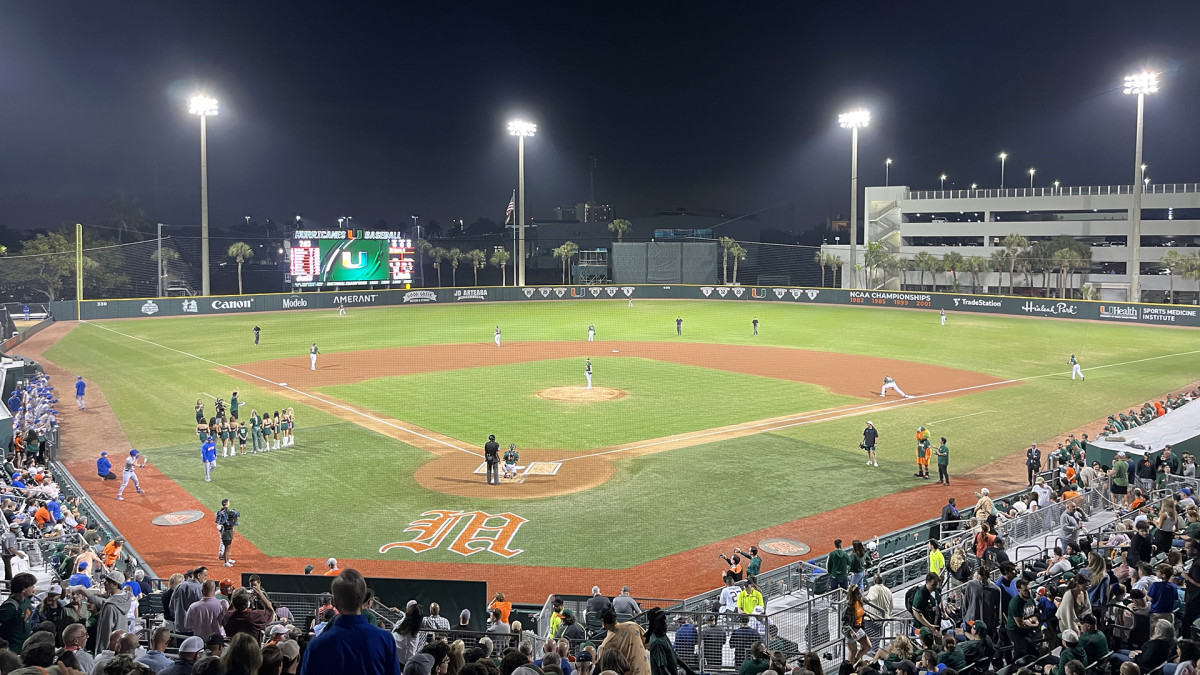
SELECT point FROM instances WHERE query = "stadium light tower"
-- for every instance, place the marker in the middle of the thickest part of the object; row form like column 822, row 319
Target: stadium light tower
column 1141, row 84
column 943, row 179
column 853, row 120
column 887, row 172
column 1003, row 156
column 521, row 128
column 1031, row 172
column 205, row 107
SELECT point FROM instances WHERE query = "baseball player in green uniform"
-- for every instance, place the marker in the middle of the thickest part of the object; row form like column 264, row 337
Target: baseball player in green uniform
column 511, row 457
column 1075, row 369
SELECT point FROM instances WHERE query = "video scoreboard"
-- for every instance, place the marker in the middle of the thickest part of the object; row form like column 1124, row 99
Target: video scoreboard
column 339, row 258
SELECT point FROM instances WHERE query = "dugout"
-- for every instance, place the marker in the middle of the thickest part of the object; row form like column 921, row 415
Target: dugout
column 665, row 262
column 453, row 596
column 1179, row 429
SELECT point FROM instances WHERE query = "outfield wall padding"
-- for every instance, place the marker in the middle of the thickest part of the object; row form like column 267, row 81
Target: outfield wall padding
column 1114, row 312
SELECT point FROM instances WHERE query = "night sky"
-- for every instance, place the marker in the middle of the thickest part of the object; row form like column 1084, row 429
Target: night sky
column 382, row 110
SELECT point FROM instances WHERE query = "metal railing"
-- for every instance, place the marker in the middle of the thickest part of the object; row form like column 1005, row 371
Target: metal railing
column 1061, row 191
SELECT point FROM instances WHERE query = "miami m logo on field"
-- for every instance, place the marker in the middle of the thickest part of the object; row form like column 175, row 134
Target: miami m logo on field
column 492, row 532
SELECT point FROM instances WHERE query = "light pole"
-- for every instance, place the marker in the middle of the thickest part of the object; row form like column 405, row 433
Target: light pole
column 974, row 185
column 161, row 267
column 1141, row 84
column 521, row 129
column 1031, row 172
column 853, row 120
column 1003, row 156
column 887, row 172
column 943, row 179
column 205, row 107
column 1056, row 186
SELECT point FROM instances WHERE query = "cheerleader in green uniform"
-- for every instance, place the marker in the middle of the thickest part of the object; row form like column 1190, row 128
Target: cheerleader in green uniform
column 291, row 418
column 199, row 411
column 202, row 429
column 284, row 429
column 224, row 439
column 267, row 430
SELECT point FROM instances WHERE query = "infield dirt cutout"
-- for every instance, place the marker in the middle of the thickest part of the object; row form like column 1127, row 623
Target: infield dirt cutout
column 452, row 471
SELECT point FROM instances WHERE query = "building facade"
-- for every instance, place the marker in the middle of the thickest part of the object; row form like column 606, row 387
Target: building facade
column 975, row 222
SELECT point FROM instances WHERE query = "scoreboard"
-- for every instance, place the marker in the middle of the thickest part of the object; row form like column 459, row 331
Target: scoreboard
column 338, row 258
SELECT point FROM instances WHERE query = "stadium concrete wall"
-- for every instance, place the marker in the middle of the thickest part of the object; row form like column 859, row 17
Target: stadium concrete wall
column 1116, row 312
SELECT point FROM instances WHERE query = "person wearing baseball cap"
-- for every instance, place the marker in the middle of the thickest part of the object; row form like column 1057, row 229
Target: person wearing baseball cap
column 870, row 435
column 978, row 645
column 114, row 601
column 190, row 651
column 104, row 467
column 1071, row 651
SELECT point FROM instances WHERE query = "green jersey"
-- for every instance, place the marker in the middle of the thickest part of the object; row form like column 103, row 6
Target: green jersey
column 838, row 564
column 1120, row 476
column 943, row 455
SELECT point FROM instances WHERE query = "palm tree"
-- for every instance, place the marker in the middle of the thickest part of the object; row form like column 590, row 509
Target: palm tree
column 952, row 261
column 454, row 255
column 819, row 258
column 438, row 254
column 500, row 259
column 726, row 244
column 738, row 253
column 998, row 263
column 904, row 266
column 925, row 263
column 976, row 265
column 423, row 248
column 1173, row 261
column 125, row 216
column 564, row 253
column 874, row 258
column 1013, row 243
column 620, row 226
column 239, row 251
column 168, row 255
column 478, row 260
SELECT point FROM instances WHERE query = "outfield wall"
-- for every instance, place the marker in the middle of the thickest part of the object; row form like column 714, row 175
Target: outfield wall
column 1117, row 312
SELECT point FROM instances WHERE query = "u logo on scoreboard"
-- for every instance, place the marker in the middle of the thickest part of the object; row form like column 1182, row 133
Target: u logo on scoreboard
column 348, row 260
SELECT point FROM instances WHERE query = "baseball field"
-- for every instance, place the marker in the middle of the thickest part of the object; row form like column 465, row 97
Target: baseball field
column 686, row 441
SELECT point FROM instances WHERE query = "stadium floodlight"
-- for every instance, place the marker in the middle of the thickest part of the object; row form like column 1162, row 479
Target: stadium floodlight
column 943, row 179
column 1031, row 172
column 1003, row 156
column 205, row 107
column 521, row 128
column 1140, row 84
column 887, row 171
column 853, row 120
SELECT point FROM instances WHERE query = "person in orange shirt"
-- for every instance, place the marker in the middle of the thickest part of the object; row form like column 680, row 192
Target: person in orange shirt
column 41, row 516
column 331, row 568
column 1158, row 407
column 735, row 565
column 112, row 551
column 501, row 604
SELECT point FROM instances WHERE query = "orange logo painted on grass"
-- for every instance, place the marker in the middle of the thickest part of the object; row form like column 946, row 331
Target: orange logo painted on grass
column 492, row 532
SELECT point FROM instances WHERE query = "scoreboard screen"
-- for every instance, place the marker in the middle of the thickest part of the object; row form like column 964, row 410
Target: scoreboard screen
column 349, row 258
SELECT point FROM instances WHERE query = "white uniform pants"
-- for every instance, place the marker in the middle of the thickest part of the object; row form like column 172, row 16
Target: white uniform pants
column 127, row 476
column 891, row 385
column 312, row 361
column 589, row 379
column 1076, row 370
column 591, row 336
column 943, row 319
column 497, row 339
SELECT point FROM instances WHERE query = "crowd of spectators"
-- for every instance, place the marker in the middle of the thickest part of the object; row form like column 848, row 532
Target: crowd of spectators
column 34, row 423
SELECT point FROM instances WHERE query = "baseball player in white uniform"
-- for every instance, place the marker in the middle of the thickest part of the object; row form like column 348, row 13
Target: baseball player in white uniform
column 130, row 473
column 943, row 317
column 889, row 383
column 312, row 356
column 342, row 310
column 496, row 337
column 587, row 372
column 591, row 332
column 1075, row 369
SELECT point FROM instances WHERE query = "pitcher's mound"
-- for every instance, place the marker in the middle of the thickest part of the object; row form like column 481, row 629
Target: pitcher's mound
column 581, row 394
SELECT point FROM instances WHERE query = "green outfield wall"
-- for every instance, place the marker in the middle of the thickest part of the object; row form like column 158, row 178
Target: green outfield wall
column 1117, row 312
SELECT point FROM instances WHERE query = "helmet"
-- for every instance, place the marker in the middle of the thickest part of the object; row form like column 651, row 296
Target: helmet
column 133, row 453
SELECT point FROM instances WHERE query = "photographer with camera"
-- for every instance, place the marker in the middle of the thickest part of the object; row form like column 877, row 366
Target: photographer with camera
column 227, row 519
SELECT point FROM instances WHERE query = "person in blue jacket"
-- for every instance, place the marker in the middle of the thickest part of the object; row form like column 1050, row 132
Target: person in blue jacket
column 104, row 467
column 208, row 453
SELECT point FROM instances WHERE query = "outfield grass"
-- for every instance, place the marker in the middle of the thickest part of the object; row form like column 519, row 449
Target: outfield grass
column 656, row 505
column 663, row 399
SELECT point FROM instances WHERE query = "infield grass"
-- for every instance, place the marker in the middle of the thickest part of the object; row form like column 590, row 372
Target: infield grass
column 656, row 504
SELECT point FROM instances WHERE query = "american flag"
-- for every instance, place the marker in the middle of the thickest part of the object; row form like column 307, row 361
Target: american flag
column 512, row 207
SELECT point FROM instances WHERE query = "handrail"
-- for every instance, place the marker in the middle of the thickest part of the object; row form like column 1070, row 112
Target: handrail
column 1062, row 191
